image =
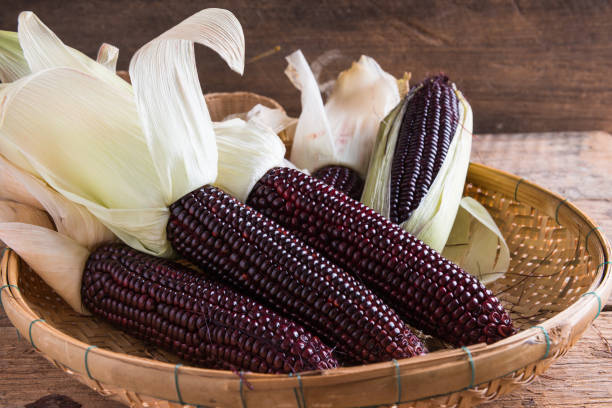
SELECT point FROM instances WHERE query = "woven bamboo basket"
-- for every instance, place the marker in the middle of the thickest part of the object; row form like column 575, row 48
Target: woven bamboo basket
column 558, row 279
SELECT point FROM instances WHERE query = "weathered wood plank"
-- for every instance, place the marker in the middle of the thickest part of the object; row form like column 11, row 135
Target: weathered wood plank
column 524, row 65
column 27, row 376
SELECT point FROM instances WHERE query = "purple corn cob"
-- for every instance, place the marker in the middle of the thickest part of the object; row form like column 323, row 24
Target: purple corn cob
column 425, row 134
column 341, row 178
column 240, row 246
column 200, row 320
column 427, row 290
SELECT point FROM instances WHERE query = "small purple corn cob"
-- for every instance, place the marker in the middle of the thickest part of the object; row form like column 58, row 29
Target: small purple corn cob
column 427, row 290
column 341, row 178
column 425, row 134
column 240, row 246
column 200, row 320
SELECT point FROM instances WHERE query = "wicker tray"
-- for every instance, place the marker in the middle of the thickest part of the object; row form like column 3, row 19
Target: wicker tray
column 559, row 278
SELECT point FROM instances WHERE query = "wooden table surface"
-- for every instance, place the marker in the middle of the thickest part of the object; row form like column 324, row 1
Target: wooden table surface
column 576, row 165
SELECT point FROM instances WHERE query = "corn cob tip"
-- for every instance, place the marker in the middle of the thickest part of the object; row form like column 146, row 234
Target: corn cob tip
column 430, row 292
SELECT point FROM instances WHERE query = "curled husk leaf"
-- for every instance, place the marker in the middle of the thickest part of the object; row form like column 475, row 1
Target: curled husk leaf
column 56, row 258
column 433, row 219
column 343, row 131
column 476, row 243
column 124, row 155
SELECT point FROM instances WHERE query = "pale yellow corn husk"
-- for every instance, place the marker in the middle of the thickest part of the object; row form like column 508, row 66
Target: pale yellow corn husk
column 476, row 243
column 124, row 155
column 11, row 187
column 108, row 56
column 247, row 151
column 79, row 231
column 70, row 219
column 432, row 221
column 12, row 63
column 56, row 258
column 10, row 211
column 343, row 131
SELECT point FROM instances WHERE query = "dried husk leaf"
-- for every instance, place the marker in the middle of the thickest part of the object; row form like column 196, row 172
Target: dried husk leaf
column 71, row 219
column 11, row 211
column 57, row 259
column 95, row 156
column 175, row 120
column 432, row 221
column 476, row 243
column 42, row 49
column 12, row 63
column 101, row 155
column 247, row 151
column 108, row 56
column 343, row 131
column 377, row 189
column 11, row 187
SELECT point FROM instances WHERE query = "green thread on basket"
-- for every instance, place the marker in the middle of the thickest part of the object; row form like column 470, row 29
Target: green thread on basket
column 472, row 367
column 87, row 365
column 244, row 405
column 301, row 389
column 586, row 238
column 399, row 381
column 602, row 264
column 557, row 210
column 176, row 384
column 299, row 399
column 599, row 303
column 516, row 189
column 30, row 330
column 547, row 337
column 295, row 392
column 4, row 287
column 9, row 286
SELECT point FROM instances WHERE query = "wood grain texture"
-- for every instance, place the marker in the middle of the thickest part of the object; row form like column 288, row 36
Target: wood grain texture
column 573, row 164
column 27, row 376
column 524, row 65
column 582, row 378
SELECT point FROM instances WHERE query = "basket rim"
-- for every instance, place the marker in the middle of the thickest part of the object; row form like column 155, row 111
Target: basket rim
column 543, row 342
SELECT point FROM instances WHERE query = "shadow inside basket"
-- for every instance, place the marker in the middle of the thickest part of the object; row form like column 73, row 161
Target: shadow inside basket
column 550, row 268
